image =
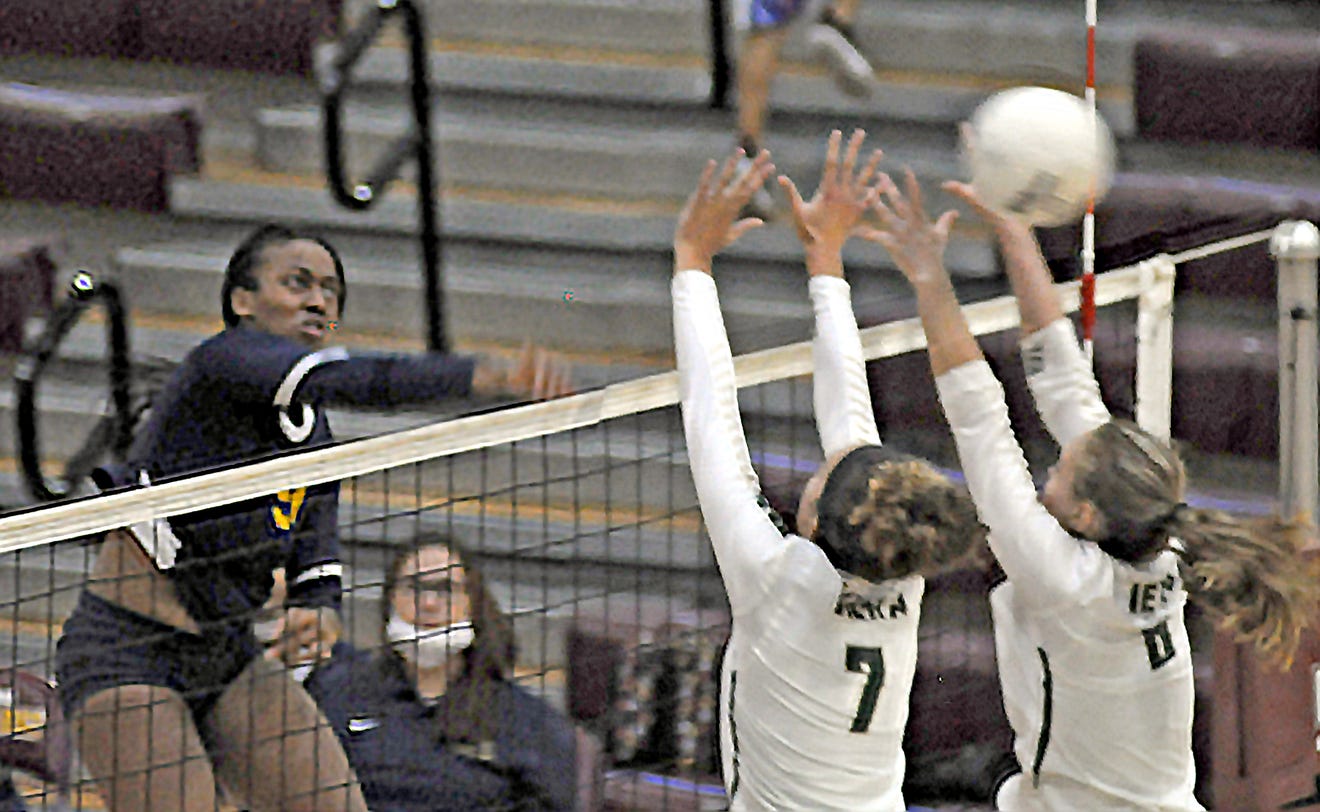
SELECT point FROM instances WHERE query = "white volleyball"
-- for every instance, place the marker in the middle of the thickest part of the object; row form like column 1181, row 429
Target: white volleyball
column 1039, row 156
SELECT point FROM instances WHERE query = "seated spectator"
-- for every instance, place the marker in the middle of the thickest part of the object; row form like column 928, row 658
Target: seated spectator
column 433, row 721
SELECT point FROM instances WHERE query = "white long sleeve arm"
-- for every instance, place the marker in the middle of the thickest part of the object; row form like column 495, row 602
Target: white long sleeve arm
column 747, row 544
column 840, row 394
column 1062, row 382
column 1034, row 550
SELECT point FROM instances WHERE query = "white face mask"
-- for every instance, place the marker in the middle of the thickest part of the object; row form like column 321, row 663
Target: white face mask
column 428, row 648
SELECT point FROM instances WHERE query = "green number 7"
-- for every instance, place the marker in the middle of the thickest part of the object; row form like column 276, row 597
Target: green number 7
column 869, row 662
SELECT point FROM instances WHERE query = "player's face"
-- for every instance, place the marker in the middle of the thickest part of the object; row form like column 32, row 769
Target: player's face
column 297, row 293
column 432, row 589
column 806, row 515
column 1059, row 497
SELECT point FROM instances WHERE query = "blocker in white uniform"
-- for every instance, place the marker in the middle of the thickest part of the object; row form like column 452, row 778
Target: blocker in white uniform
column 819, row 666
column 1093, row 655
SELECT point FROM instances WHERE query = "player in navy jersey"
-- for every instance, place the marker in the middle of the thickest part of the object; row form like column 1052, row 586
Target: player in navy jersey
column 157, row 666
column 821, row 657
column 1090, row 641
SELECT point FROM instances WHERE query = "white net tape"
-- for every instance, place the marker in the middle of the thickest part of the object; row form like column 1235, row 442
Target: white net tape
column 1149, row 282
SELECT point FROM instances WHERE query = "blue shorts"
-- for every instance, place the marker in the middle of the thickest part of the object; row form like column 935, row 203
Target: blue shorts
column 105, row 645
column 774, row 13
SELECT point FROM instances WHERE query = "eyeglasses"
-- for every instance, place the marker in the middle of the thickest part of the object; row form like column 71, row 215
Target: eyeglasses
column 438, row 588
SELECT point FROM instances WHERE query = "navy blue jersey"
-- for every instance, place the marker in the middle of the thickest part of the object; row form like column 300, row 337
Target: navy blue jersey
column 416, row 757
column 244, row 395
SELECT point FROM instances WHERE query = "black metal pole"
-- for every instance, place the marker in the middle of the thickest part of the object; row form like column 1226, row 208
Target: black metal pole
column 719, row 57
column 418, row 143
column 428, row 179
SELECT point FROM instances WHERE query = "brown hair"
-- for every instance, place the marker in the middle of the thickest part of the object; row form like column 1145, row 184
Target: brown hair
column 492, row 651
column 896, row 516
column 1248, row 574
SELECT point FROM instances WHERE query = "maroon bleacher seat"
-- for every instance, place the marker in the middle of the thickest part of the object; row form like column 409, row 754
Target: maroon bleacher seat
column 1147, row 214
column 1225, row 337
column 275, row 36
column 27, row 283
column 68, row 27
column 95, row 149
column 1229, row 86
column 260, row 35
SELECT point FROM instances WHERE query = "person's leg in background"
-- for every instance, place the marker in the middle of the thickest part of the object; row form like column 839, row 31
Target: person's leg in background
column 831, row 39
column 764, row 26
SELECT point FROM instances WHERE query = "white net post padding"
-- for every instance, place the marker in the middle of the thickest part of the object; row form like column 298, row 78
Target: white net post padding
column 1296, row 247
column 1154, row 384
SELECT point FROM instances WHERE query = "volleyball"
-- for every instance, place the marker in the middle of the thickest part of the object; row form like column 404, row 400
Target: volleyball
column 1036, row 157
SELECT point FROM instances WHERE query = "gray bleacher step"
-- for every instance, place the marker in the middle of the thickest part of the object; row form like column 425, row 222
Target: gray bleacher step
column 634, row 238
column 1007, row 39
column 589, row 151
column 626, row 152
column 570, row 310
column 67, row 411
column 657, row 26
column 1004, row 37
column 893, row 96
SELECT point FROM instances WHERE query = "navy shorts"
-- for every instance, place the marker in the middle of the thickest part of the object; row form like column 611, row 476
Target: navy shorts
column 105, row 645
column 773, row 13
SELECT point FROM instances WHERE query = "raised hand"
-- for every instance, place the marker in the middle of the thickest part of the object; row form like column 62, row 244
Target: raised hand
column 709, row 220
column 906, row 231
column 537, row 374
column 967, row 193
column 842, row 198
column 541, row 375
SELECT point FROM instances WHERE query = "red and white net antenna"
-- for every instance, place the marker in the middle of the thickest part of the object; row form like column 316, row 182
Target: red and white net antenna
column 1088, row 221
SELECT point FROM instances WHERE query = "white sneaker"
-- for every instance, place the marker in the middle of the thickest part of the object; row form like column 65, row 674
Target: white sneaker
column 852, row 72
column 762, row 205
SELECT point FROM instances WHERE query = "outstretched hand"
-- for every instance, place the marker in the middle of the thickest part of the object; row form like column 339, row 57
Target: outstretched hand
column 967, row 193
column 709, row 221
column 537, row 374
column 906, row 231
column 842, row 198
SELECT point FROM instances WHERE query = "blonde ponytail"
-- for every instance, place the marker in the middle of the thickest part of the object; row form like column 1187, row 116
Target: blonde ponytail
column 1251, row 576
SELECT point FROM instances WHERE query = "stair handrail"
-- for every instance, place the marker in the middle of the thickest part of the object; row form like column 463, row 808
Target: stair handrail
column 335, row 77
column 114, row 431
column 720, row 69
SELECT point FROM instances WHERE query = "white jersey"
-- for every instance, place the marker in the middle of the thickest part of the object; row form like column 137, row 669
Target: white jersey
column 819, row 666
column 1093, row 656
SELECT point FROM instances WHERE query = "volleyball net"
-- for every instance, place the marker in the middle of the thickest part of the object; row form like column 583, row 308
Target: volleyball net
column 583, row 520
